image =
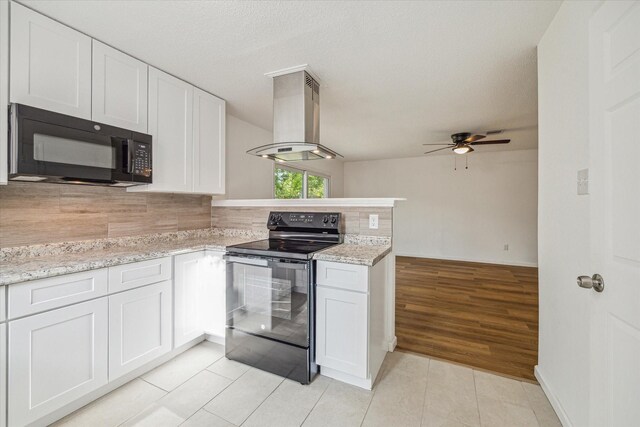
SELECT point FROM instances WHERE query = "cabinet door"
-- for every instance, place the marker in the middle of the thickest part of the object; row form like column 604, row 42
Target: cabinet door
column 119, row 89
column 139, row 327
column 214, row 300
column 188, row 297
column 171, row 126
column 55, row 358
column 50, row 64
column 341, row 331
column 4, row 89
column 3, row 374
column 209, row 119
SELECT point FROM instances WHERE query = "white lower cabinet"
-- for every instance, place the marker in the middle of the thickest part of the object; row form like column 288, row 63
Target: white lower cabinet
column 351, row 313
column 215, row 290
column 55, row 358
column 199, row 296
column 341, row 330
column 139, row 327
column 3, row 374
column 188, row 297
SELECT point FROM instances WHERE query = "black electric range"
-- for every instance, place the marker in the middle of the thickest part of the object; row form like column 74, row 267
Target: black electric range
column 270, row 295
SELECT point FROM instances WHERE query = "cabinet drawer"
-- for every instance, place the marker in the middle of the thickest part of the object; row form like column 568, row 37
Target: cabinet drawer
column 46, row 294
column 134, row 275
column 343, row 276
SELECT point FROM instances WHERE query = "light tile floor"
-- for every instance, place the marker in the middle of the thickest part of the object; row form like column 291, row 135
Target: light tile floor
column 202, row 388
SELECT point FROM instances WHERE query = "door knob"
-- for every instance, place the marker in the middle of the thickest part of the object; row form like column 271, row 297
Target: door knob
column 596, row 282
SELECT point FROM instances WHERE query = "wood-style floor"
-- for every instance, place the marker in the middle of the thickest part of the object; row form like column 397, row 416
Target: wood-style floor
column 481, row 315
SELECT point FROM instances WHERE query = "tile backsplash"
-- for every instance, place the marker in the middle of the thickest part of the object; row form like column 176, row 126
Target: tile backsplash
column 355, row 220
column 34, row 213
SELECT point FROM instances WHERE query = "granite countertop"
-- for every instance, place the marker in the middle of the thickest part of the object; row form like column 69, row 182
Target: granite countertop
column 41, row 261
column 22, row 269
column 354, row 253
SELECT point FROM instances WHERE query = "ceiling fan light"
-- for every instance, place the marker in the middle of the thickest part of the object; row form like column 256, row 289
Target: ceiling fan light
column 463, row 149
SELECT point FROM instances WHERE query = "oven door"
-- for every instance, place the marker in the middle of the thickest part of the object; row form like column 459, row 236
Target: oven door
column 53, row 145
column 269, row 297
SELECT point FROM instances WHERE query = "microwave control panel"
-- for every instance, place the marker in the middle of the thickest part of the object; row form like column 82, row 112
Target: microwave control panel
column 142, row 159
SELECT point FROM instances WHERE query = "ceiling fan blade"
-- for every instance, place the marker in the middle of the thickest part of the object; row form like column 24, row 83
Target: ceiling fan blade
column 496, row 141
column 443, row 143
column 439, row 149
column 474, row 138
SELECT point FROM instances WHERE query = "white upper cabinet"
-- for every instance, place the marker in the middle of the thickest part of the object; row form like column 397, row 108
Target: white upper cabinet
column 171, row 126
column 50, row 64
column 208, row 143
column 119, row 89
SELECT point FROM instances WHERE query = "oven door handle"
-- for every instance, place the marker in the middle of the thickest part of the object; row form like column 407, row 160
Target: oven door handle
column 266, row 262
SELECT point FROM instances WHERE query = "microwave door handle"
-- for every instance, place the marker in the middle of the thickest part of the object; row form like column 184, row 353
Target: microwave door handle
column 130, row 145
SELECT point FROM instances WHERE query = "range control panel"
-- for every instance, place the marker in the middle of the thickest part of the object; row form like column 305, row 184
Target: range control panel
column 318, row 220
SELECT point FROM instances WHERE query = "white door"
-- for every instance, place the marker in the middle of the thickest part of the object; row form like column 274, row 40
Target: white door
column 171, row 126
column 119, row 89
column 55, row 358
column 614, row 91
column 342, row 331
column 208, row 143
column 139, row 327
column 50, row 64
column 188, row 297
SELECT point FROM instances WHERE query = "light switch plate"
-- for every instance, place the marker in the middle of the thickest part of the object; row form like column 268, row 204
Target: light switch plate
column 373, row 221
column 583, row 182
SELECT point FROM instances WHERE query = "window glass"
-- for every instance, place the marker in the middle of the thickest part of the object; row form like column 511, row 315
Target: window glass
column 317, row 187
column 293, row 183
column 288, row 183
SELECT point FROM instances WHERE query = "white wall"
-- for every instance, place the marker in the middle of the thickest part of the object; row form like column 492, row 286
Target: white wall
column 251, row 177
column 563, row 253
column 464, row 214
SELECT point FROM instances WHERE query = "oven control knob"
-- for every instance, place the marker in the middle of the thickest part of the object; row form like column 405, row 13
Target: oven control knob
column 325, row 219
column 272, row 218
column 279, row 218
column 333, row 219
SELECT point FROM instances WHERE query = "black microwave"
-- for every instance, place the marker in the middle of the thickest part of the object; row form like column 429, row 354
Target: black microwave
column 50, row 147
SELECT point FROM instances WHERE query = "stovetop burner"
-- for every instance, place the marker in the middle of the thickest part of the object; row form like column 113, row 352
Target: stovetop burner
column 295, row 235
column 299, row 249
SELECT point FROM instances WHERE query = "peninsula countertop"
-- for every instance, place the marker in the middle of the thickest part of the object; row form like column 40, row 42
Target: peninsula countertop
column 42, row 261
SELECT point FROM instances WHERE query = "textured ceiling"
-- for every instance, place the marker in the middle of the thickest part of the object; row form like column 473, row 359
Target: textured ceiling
column 393, row 74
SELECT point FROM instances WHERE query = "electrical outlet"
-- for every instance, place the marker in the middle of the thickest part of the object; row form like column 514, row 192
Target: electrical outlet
column 506, row 246
column 373, row 221
column 583, row 182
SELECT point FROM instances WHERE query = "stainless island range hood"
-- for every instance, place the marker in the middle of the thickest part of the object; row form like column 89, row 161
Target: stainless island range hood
column 296, row 121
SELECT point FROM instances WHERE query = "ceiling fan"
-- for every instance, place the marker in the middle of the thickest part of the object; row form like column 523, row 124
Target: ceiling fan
column 462, row 142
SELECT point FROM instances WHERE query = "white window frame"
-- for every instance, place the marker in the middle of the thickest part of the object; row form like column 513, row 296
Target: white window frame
column 305, row 176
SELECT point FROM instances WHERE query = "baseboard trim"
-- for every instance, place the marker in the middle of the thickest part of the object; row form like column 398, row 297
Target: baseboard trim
column 214, row 338
column 393, row 343
column 110, row 386
column 482, row 261
column 555, row 403
column 365, row 383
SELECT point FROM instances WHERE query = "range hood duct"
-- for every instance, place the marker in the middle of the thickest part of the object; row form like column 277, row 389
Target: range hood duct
column 296, row 121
